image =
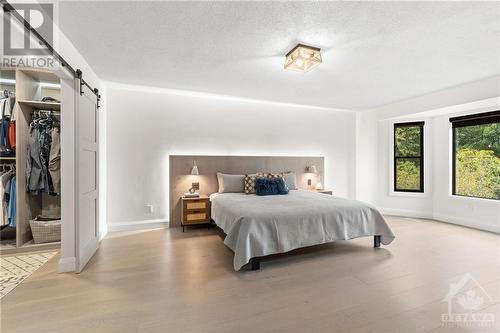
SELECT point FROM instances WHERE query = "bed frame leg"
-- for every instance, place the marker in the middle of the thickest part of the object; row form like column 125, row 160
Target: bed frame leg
column 376, row 240
column 255, row 264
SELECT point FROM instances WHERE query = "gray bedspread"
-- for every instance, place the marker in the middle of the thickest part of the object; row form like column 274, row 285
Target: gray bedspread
column 257, row 226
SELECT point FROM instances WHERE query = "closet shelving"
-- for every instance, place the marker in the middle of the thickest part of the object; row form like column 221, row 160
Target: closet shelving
column 31, row 85
column 41, row 105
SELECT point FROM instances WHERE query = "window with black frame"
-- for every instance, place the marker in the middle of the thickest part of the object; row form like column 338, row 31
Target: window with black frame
column 409, row 157
column 476, row 155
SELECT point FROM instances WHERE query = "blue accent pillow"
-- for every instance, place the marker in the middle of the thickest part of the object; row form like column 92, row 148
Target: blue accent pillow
column 270, row 186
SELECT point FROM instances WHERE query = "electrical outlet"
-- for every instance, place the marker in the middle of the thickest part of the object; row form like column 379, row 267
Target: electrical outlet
column 150, row 208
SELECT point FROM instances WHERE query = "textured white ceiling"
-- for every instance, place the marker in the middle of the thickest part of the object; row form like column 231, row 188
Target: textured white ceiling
column 374, row 53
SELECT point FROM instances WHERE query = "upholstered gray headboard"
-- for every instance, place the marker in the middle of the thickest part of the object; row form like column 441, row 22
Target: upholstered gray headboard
column 180, row 169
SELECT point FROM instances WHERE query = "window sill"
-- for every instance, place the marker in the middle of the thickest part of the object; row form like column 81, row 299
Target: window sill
column 462, row 197
column 408, row 194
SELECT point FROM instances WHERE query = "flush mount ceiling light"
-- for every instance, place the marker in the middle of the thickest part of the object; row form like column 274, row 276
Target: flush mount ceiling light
column 303, row 58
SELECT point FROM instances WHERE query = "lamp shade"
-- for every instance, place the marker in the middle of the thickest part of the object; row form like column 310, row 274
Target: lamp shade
column 194, row 170
column 312, row 169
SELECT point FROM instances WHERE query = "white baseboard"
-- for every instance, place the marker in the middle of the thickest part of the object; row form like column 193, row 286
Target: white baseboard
column 470, row 223
column 138, row 225
column 467, row 223
column 406, row 213
column 67, row 265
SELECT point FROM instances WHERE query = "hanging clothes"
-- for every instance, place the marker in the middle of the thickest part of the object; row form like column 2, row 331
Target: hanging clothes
column 12, row 134
column 4, row 134
column 43, row 160
column 12, row 125
column 11, row 209
column 5, row 188
column 55, row 160
column 4, row 131
column 44, row 129
column 34, row 178
column 7, row 103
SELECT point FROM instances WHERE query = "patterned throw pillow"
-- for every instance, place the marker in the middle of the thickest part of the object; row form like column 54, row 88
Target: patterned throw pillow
column 249, row 182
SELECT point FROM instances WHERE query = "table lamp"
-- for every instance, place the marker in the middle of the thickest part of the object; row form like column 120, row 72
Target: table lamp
column 194, row 185
column 311, row 170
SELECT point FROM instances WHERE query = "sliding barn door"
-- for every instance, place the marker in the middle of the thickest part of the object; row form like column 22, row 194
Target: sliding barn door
column 87, row 177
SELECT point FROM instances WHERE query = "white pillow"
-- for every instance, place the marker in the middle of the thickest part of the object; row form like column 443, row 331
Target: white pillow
column 290, row 180
column 230, row 183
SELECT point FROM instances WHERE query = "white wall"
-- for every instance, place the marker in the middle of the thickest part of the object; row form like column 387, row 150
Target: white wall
column 376, row 127
column 366, row 157
column 145, row 125
column 398, row 203
column 479, row 213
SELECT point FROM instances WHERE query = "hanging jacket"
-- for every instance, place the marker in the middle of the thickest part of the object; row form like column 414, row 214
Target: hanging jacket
column 12, row 134
column 4, row 128
column 11, row 210
column 43, row 171
column 34, row 176
column 7, row 111
column 5, row 186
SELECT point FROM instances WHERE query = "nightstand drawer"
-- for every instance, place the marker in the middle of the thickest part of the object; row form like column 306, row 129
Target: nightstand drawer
column 200, row 216
column 196, row 205
column 195, row 211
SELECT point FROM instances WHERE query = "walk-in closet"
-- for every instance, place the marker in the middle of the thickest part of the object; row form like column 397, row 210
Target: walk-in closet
column 30, row 159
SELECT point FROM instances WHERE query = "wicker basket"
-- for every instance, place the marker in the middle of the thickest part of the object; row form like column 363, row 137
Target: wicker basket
column 45, row 230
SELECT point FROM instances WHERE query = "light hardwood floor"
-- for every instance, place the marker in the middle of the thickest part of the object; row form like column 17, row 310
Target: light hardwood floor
column 167, row 281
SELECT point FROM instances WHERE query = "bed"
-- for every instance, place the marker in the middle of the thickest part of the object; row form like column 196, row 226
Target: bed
column 257, row 226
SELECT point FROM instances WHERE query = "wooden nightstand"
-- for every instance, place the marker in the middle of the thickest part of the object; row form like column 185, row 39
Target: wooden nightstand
column 195, row 211
column 329, row 192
